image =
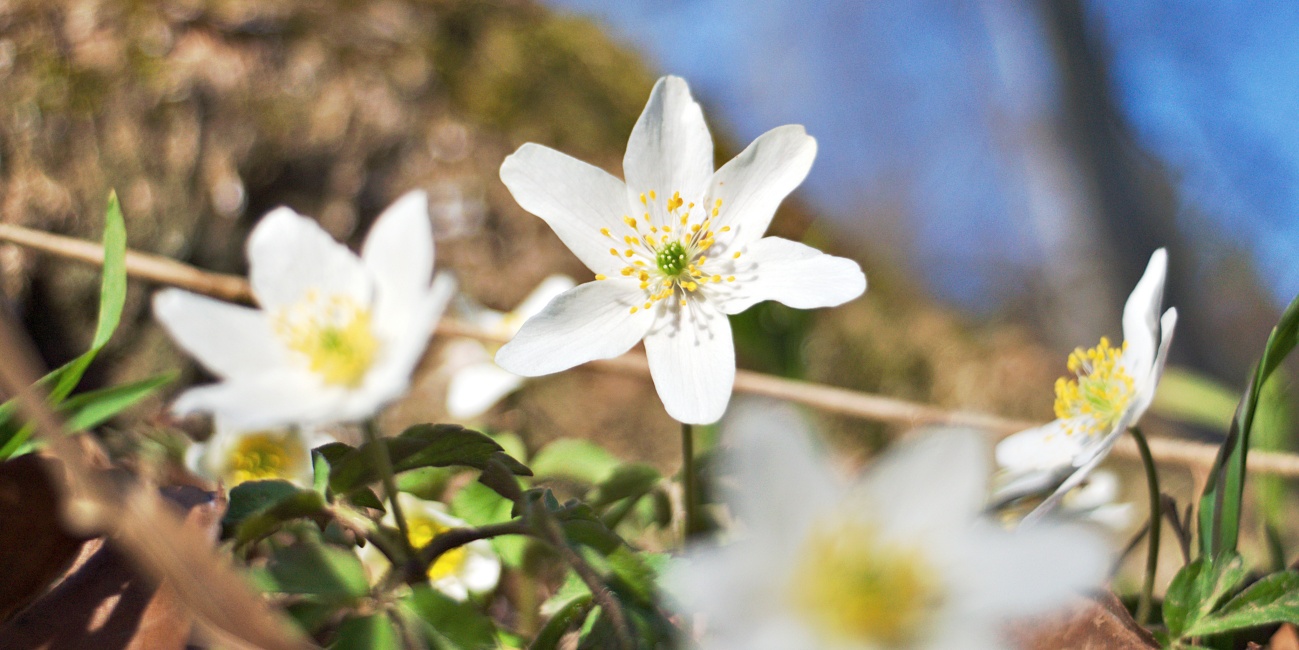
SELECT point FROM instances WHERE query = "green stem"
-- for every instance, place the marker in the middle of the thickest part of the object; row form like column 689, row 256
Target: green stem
column 688, row 489
column 383, row 463
column 1146, row 604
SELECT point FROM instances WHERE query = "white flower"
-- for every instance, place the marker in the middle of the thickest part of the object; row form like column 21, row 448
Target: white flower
column 477, row 382
column 337, row 335
column 233, row 456
column 1113, row 388
column 675, row 249
column 902, row 559
column 470, row 569
column 1094, row 500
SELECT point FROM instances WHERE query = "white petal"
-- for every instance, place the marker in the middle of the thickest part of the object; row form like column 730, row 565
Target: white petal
column 265, row 400
column 903, row 491
column 692, row 360
column 591, row 321
column 784, row 484
column 1047, row 447
column 389, row 377
column 670, row 149
column 1033, row 569
column 546, row 291
column 791, row 273
column 481, row 570
column 752, row 185
column 289, row 255
column 1147, row 386
column 1141, row 316
column 398, row 252
column 476, row 388
column 227, row 339
column 575, row 199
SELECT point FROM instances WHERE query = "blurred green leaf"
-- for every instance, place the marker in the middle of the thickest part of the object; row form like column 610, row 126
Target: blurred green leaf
column 633, row 480
column 319, row 472
column 1187, row 396
column 374, row 632
column 251, row 496
column 91, row 409
column 325, row 572
column 574, row 611
column 1273, row 599
column 299, row 505
column 1220, row 504
column 479, row 505
column 112, row 297
column 573, row 459
column 453, row 624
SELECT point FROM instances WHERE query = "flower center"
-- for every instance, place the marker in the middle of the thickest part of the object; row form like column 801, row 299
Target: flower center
column 859, row 589
column 264, row 455
column 1095, row 401
column 422, row 531
column 667, row 252
column 332, row 334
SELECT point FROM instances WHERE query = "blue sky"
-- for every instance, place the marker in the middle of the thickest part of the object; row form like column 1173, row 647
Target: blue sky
column 907, row 101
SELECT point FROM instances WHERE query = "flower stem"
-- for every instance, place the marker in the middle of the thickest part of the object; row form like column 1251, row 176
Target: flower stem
column 383, row 463
column 1146, row 604
column 688, row 489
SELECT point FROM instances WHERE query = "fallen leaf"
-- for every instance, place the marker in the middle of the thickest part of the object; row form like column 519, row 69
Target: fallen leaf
column 106, row 603
column 1094, row 623
column 34, row 547
column 1286, row 638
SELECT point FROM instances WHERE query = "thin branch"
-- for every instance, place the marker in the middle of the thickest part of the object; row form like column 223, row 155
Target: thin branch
column 599, row 591
column 457, row 537
column 830, row 399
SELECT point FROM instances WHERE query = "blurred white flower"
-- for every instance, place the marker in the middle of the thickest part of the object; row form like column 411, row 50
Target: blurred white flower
column 477, row 383
column 676, row 248
column 1094, row 500
column 337, row 335
column 1113, row 388
column 472, row 569
column 902, row 559
column 233, row 456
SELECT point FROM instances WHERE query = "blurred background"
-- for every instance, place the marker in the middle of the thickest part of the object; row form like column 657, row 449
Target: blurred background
column 1002, row 169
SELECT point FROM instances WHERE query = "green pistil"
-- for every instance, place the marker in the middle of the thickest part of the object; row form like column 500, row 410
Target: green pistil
column 671, row 259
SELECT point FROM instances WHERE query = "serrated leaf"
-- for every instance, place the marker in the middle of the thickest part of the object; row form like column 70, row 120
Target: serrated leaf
column 455, row 625
column 633, row 576
column 325, row 572
column 425, row 445
column 573, row 459
column 1198, row 589
column 1273, row 599
column 374, row 632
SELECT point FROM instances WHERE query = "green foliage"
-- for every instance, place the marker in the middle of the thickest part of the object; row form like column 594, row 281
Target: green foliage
column 573, row 459
column 373, row 632
column 317, row 571
column 61, row 382
column 425, row 445
column 1220, row 505
column 447, row 623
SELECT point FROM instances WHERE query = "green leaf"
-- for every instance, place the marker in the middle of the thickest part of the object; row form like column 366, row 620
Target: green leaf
column 319, row 472
column 326, row 572
column 424, row 445
column 91, row 409
column 301, row 504
column 634, row 577
column 572, row 613
column 1197, row 590
column 453, row 624
column 112, row 297
column 581, row 525
column 628, row 481
column 374, row 632
column 1273, row 599
column 251, row 496
column 479, row 505
column 1220, row 504
column 577, row 460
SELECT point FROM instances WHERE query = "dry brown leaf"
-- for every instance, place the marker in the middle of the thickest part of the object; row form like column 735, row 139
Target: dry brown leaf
column 106, row 603
column 1286, row 638
column 1097, row 623
column 34, row 547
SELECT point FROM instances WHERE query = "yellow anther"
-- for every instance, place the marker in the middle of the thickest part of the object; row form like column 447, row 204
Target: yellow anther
column 613, row 251
column 654, row 229
column 653, row 195
column 605, row 232
column 730, row 278
column 644, row 276
column 683, row 302
column 646, row 217
column 642, row 199
column 736, row 255
column 644, row 285
column 715, row 211
column 667, row 228
column 629, row 252
column 635, row 309
column 695, row 227
column 629, row 221
column 628, row 271
column 717, row 278
column 601, row 276
column 648, row 305
column 685, row 219
column 718, row 204
column 726, row 229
